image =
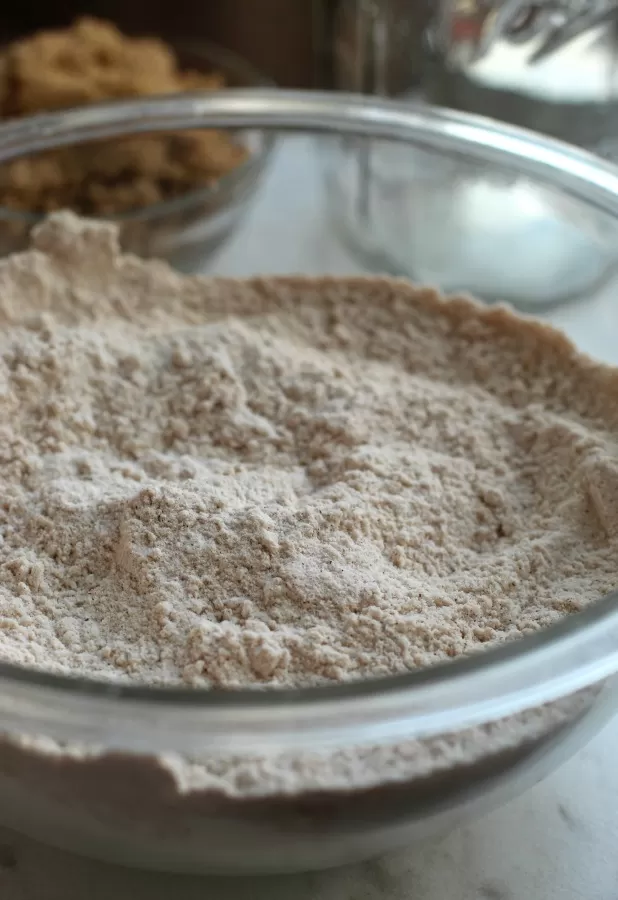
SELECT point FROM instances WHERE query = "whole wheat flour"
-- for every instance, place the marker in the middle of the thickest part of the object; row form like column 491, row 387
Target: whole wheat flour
column 284, row 481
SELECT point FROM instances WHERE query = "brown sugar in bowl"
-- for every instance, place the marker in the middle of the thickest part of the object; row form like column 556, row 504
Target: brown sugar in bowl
column 174, row 195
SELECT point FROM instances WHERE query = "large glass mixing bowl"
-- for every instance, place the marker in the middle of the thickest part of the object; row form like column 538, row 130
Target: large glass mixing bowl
column 113, row 771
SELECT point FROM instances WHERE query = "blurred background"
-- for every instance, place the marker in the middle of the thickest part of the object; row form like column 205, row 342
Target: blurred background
column 510, row 59
column 294, row 52
column 244, row 26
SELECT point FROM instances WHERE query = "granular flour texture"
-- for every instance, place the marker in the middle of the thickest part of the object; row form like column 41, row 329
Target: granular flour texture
column 284, row 481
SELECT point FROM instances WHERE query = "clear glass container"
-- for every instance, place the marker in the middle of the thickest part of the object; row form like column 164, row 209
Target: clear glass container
column 113, row 771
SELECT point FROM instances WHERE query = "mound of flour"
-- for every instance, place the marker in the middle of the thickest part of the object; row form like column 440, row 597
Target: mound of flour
column 284, row 481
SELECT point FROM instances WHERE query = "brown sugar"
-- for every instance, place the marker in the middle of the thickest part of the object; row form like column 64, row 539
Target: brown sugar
column 92, row 61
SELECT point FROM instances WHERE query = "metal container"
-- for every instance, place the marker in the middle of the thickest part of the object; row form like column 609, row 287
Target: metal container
column 551, row 66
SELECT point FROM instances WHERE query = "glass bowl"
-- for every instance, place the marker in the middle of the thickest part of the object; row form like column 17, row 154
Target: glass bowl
column 185, row 229
column 272, row 781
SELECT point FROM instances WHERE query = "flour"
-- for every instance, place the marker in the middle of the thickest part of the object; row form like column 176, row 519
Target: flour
column 284, row 481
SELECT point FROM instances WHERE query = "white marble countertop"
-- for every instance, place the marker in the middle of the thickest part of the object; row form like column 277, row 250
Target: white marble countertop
column 556, row 842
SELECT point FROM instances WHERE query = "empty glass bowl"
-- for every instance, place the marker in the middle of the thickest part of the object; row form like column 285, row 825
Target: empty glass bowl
column 117, row 771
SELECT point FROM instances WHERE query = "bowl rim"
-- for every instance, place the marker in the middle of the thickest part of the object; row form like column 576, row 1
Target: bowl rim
column 571, row 655
column 227, row 63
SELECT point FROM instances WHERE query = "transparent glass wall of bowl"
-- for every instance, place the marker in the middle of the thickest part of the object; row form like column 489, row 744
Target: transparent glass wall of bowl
column 124, row 808
column 460, row 224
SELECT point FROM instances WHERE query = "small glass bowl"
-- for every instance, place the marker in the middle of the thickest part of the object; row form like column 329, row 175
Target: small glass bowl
column 187, row 229
column 115, row 771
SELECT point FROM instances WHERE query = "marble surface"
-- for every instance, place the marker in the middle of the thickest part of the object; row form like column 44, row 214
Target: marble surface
column 556, row 842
